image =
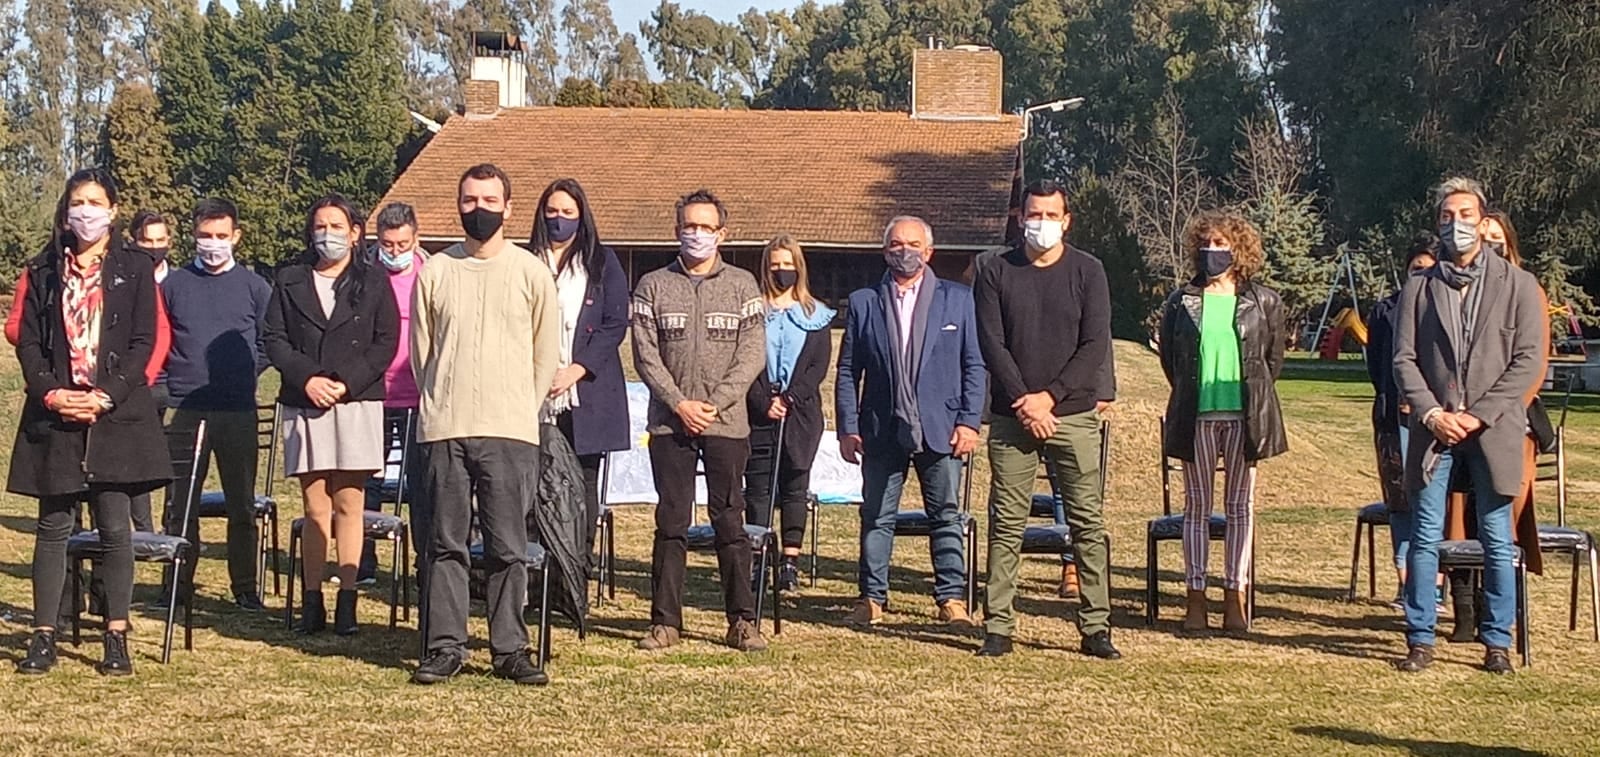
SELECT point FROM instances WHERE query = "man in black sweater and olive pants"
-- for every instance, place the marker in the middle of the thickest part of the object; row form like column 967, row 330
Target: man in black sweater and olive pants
column 1044, row 325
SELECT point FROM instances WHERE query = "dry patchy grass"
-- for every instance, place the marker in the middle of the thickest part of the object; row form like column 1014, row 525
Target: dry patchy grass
column 1312, row 678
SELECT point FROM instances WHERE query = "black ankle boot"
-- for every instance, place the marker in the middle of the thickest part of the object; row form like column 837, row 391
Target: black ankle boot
column 344, row 613
column 41, row 654
column 1464, row 604
column 313, row 615
column 116, row 661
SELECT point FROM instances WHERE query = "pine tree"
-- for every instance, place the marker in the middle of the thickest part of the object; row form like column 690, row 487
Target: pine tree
column 134, row 146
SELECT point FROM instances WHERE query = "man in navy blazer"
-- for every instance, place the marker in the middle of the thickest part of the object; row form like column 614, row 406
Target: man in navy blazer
column 910, row 394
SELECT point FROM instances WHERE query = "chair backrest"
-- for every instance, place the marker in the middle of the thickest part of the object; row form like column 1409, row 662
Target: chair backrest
column 401, row 443
column 267, row 418
column 1169, row 466
column 1105, row 464
column 187, row 453
column 1552, row 467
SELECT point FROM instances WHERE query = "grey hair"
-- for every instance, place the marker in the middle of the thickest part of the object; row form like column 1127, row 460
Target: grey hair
column 1459, row 185
column 927, row 230
column 395, row 215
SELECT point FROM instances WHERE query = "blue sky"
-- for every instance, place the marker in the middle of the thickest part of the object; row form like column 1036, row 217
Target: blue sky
column 629, row 13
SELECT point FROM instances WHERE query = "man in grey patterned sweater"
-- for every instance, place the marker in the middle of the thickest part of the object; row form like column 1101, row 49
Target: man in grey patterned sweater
column 698, row 342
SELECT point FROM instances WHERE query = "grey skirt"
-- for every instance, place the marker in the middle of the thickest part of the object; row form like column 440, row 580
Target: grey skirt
column 345, row 437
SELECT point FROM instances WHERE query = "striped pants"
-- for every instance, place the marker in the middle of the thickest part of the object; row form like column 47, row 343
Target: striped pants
column 1213, row 439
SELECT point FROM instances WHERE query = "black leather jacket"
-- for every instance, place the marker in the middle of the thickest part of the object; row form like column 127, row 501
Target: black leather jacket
column 1258, row 318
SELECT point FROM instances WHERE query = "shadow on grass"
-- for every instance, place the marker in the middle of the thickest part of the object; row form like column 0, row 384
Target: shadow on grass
column 1417, row 748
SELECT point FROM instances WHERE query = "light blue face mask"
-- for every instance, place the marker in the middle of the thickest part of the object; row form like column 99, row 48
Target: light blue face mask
column 1459, row 236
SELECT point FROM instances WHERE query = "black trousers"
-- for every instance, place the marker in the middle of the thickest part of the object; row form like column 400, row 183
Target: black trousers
column 501, row 476
column 113, row 568
column 794, row 488
column 672, row 463
column 415, row 496
column 591, row 482
column 231, row 437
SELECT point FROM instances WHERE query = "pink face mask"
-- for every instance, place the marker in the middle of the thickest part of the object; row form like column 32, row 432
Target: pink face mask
column 697, row 246
column 89, row 223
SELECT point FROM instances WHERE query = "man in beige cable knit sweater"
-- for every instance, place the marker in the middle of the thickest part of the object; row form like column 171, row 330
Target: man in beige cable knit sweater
column 485, row 334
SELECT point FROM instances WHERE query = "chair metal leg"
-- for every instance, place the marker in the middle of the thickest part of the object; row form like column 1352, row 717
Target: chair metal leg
column 394, row 583
column 762, row 572
column 1372, row 564
column 188, row 620
column 777, row 607
column 261, row 560
column 544, row 614
column 76, row 568
column 277, row 569
column 816, row 508
column 405, row 572
column 1572, row 600
column 288, row 599
column 972, row 565
column 1355, row 564
column 1594, row 591
column 1150, row 572
column 1524, row 643
column 172, row 610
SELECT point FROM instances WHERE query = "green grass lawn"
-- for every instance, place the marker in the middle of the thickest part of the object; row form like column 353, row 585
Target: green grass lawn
column 1312, row 677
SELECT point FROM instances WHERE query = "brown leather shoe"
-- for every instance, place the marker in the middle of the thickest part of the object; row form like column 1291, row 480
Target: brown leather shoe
column 954, row 612
column 743, row 636
column 1233, row 612
column 1194, row 613
column 660, row 637
column 1069, row 582
column 866, row 613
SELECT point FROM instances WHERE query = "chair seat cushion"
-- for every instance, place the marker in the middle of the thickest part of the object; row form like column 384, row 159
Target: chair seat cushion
column 1044, row 506
column 917, row 523
column 215, row 505
column 1170, row 527
column 1375, row 514
column 1046, row 540
column 373, row 525
column 1465, row 553
column 703, row 537
column 147, row 547
column 534, row 556
column 1563, row 539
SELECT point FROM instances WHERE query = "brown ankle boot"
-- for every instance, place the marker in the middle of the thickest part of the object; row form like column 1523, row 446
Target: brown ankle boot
column 1194, row 614
column 1069, row 582
column 1233, row 615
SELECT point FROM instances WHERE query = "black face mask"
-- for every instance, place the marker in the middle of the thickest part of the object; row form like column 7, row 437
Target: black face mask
column 482, row 224
column 1217, row 262
column 785, row 280
column 561, row 229
column 158, row 254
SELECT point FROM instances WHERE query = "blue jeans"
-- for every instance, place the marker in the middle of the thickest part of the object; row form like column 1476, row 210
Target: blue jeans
column 1494, row 531
column 883, row 474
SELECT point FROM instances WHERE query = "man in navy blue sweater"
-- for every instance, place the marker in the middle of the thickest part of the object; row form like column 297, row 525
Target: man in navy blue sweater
column 217, row 308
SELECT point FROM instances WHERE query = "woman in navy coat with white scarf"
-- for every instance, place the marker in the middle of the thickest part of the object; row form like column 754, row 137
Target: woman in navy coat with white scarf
column 589, row 400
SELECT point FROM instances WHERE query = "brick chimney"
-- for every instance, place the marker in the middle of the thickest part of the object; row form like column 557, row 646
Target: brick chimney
column 483, row 97
column 956, row 84
column 499, row 75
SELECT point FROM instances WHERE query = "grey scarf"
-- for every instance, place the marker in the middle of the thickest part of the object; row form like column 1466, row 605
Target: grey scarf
column 908, row 361
column 1467, row 281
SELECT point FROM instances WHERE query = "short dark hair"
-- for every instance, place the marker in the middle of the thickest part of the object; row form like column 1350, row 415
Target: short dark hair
column 1425, row 243
column 143, row 219
column 213, row 208
column 703, row 197
column 484, row 171
column 395, row 215
column 1046, row 188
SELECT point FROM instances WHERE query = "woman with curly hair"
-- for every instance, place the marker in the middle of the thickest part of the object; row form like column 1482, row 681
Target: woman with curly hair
column 1222, row 341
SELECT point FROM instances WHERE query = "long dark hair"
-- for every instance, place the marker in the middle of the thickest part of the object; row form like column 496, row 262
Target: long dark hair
column 353, row 279
column 586, row 243
column 61, row 236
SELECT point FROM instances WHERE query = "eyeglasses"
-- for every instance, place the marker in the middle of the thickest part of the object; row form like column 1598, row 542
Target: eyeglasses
column 699, row 228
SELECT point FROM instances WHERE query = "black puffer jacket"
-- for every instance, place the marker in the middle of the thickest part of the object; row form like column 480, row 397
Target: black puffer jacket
column 1258, row 318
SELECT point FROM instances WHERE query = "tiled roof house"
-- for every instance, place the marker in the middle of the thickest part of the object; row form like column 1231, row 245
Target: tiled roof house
column 831, row 179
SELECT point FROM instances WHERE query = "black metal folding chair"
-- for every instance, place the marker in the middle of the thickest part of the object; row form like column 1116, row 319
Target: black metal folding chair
column 909, row 523
column 151, row 547
column 1056, row 539
column 378, row 526
column 1169, row 527
column 702, row 537
column 1561, row 539
column 214, row 504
